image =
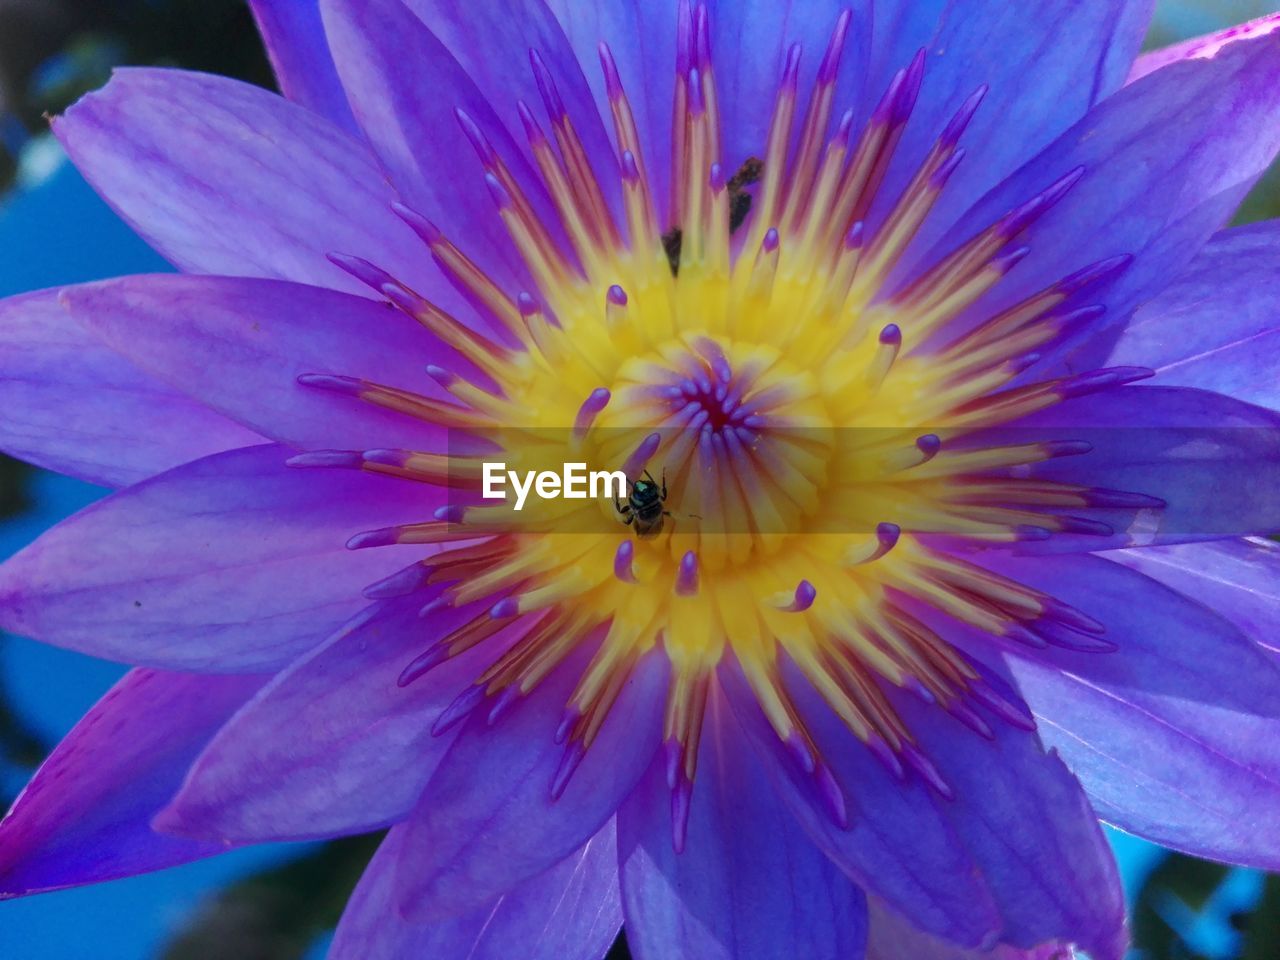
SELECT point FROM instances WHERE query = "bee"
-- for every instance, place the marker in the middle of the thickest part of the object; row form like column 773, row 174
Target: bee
column 739, row 206
column 645, row 508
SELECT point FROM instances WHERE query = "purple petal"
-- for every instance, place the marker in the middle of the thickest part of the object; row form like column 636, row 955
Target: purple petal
column 1056, row 61
column 73, row 406
column 405, row 88
column 1201, row 47
column 1238, row 579
column 1031, row 831
column 1152, row 188
column 569, row 912
column 496, row 59
column 901, row 27
column 488, row 822
column 1217, row 327
column 1214, row 461
column 1176, row 735
column 898, row 845
column 239, row 346
column 749, row 884
column 85, row 817
column 295, row 41
column 223, row 177
column 332, row 745
column 234, row 563
column 892, row 937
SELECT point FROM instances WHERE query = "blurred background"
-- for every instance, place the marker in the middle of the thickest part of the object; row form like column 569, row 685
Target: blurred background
column 281, row 903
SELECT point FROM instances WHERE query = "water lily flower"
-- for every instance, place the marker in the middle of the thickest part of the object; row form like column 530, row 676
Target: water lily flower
column 947, row 409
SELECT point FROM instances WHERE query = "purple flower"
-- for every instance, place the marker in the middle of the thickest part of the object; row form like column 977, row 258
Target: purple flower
column 930, row 584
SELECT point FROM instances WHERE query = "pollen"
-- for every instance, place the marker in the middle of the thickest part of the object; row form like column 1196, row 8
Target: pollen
column 821, row 427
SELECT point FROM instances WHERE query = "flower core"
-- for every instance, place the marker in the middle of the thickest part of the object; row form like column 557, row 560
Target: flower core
column 813, row 414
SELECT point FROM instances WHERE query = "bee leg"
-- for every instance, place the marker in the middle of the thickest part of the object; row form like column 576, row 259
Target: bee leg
column 621, row 507
column 630, row 518
column 664, row 485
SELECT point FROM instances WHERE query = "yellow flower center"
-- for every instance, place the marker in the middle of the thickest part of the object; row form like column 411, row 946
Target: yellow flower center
column 796, row 424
